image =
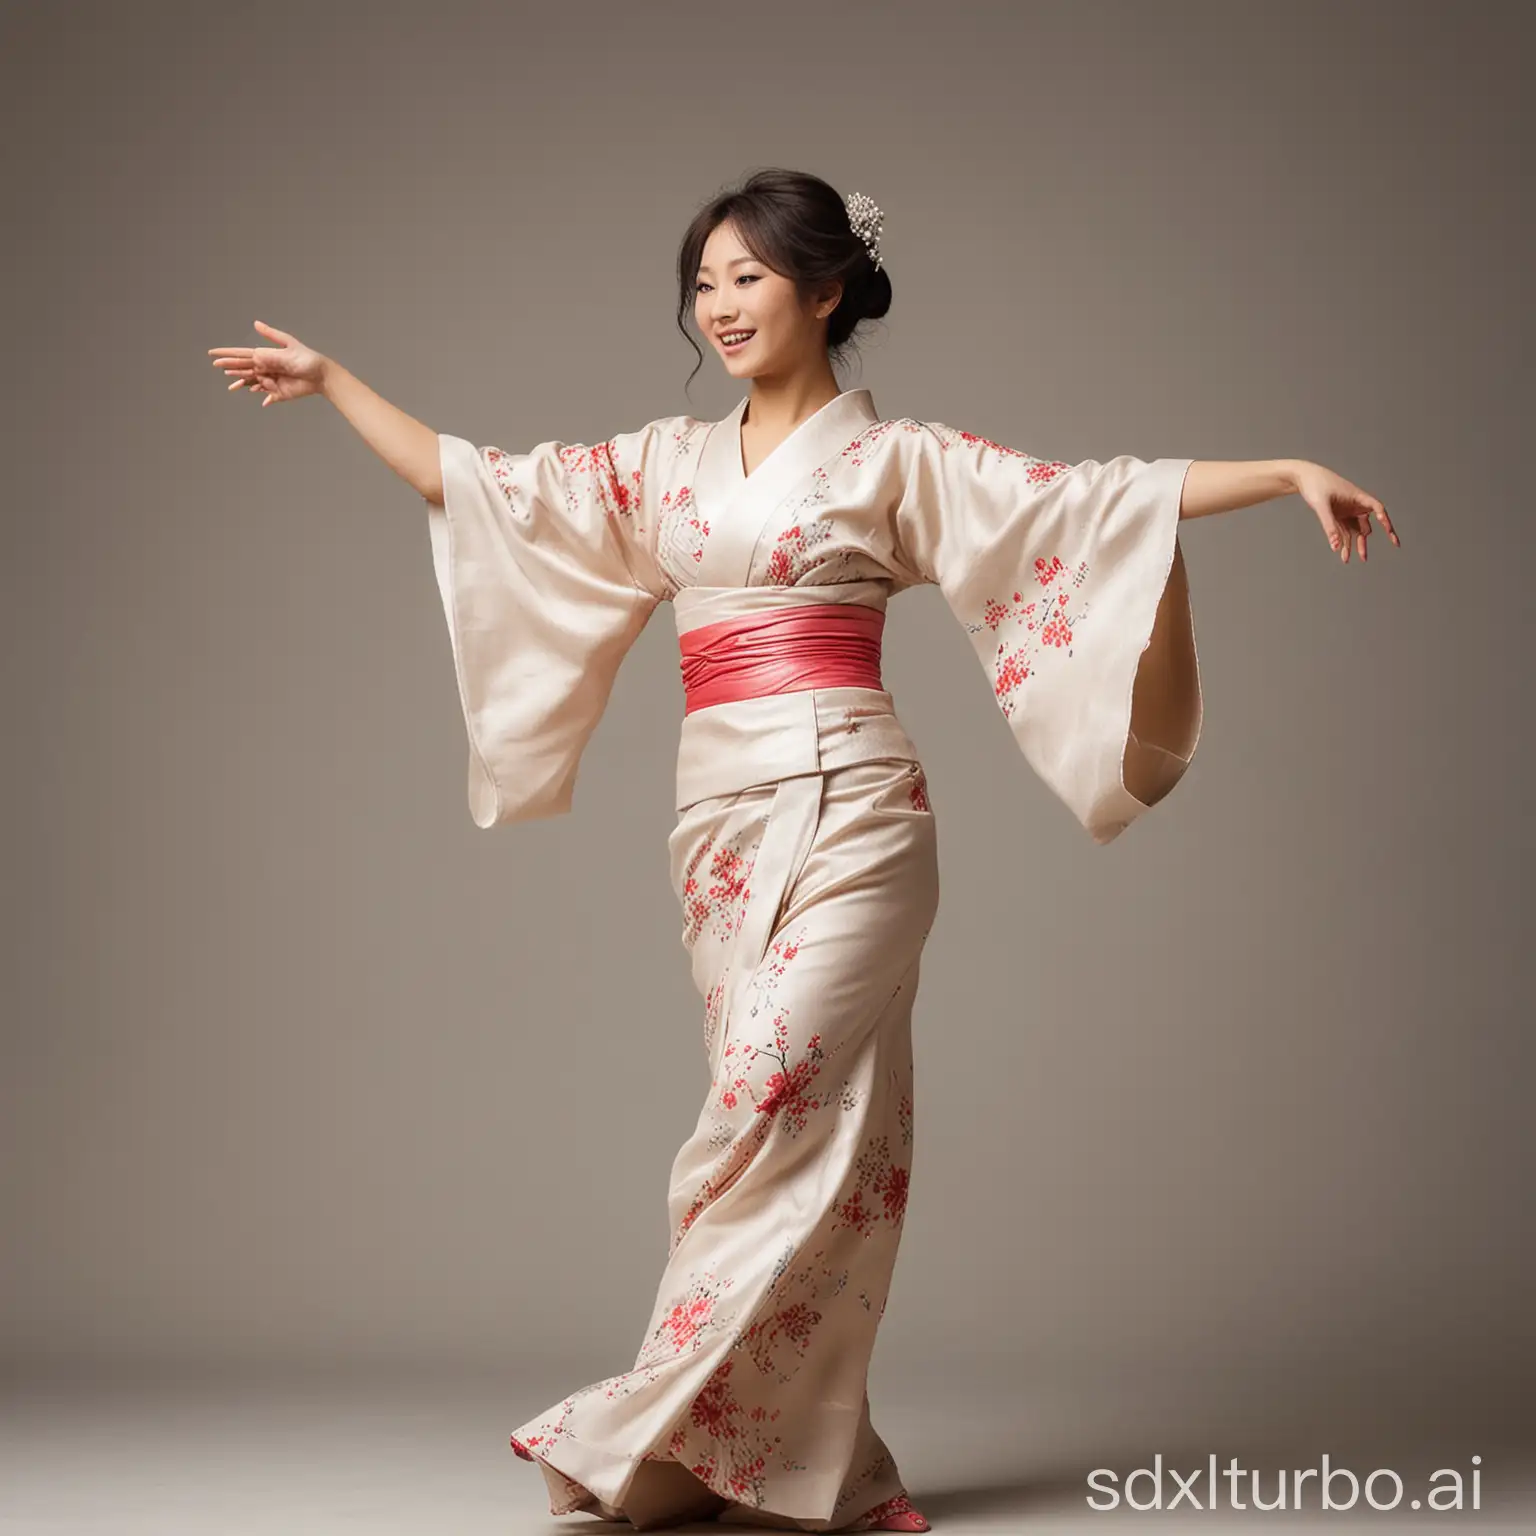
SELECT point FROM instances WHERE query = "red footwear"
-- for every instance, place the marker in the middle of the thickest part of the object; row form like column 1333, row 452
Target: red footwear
column 898, row 1514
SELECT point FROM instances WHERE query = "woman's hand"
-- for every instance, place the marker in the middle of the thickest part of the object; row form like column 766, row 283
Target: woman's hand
column 285, row 372
column 1344, row 510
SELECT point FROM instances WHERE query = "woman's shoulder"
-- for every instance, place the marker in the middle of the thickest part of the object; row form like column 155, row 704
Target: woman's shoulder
column 894, row 433
column 681, row 428
column 945, row 440
column 666, row 441
column 667, row 431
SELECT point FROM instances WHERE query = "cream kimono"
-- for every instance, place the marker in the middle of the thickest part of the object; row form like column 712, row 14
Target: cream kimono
column 804, row 864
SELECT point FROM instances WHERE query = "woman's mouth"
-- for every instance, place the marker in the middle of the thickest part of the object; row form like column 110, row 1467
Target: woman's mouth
column 734, row 341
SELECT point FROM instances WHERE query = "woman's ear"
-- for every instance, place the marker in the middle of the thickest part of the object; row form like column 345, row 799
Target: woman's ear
column 829, row 298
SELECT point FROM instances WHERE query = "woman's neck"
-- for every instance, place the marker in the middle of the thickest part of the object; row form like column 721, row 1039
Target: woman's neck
column 778, row 406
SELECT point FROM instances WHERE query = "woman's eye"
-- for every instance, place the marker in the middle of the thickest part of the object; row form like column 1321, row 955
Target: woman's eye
column 747, row 277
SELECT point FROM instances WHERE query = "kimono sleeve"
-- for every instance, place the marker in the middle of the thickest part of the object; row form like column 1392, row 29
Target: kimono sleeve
column 533, row 558
column 1070, row 582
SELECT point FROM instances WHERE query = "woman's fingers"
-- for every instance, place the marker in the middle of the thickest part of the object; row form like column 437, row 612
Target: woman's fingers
column 1349, row 531
column 1342, row 535
column 1380, row 513
column 248, row 378
column 243, row 369
column 1339, row 531
column 1355, row 530
column 237, row 368
column 240, row 365
column 1345, row 511
column 1365, row 507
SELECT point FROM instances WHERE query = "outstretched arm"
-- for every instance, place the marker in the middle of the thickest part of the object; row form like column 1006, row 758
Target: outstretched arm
column 1344, row 510
column 408, row 446
column 289, row 370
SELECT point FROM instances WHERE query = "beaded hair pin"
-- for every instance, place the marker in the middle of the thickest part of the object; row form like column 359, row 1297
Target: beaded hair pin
column 866, row 220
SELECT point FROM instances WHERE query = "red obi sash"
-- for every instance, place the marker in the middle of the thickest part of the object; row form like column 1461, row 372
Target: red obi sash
column 782, row 650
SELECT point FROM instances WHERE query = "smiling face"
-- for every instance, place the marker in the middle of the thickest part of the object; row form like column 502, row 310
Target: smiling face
column 753, row 316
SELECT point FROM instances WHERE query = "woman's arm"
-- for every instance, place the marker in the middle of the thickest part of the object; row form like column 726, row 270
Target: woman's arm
column 1224, row 485
column 288, row 370
column 1344, row 510
column 408, row 446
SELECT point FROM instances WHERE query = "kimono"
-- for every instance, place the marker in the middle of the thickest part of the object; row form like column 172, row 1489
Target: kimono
column 804, row 865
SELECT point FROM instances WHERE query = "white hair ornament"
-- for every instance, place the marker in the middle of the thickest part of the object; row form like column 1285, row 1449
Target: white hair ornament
column 866, row 220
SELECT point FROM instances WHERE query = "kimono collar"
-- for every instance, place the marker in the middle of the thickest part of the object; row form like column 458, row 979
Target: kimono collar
column 737, row 506
column 814, row 441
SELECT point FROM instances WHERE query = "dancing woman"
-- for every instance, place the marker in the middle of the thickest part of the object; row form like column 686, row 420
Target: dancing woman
column 804, row 855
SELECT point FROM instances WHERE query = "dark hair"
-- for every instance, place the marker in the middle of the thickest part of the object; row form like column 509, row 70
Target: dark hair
column 797, row 225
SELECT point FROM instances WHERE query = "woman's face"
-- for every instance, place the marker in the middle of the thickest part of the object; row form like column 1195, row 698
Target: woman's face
column 753, row 317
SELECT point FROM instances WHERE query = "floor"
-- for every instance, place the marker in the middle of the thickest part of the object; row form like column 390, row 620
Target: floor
column 429, row 1457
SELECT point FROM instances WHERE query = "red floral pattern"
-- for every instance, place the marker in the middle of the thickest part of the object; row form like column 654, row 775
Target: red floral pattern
column 880, row 1193
column 1048, row 619
column 739, row 1444
column 551, row 1428
column 794, row 553
column 588, row 471
column 683, row 530
column 779, row 1340
column 859, row 449
column 718, row 899
column 686, row 1323
column 785, row 1093
column 789, row 1326
column 760, row 1085
column 917, row 787
column 1039, row 471
column 702, row 1200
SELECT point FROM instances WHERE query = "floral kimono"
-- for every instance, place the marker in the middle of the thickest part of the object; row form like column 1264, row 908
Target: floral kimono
column 804, row 864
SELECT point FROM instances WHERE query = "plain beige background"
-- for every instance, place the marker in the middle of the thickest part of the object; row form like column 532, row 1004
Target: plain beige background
column 305, row 1072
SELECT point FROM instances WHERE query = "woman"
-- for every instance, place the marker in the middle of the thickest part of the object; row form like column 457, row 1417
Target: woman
column 804, row 854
